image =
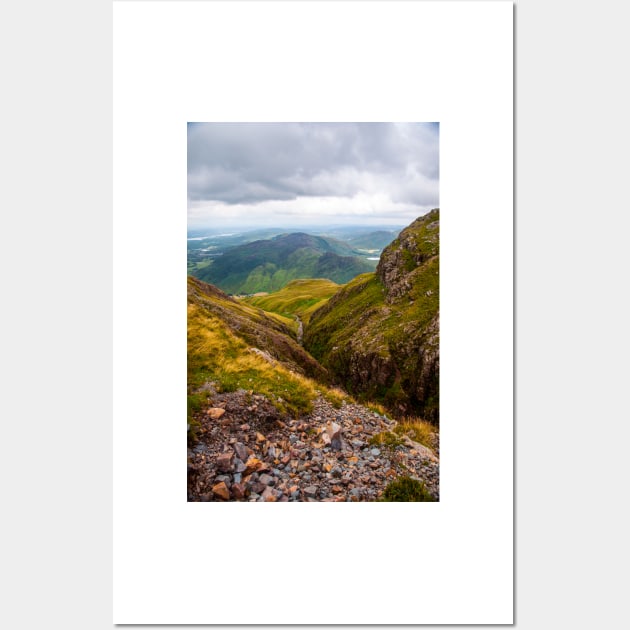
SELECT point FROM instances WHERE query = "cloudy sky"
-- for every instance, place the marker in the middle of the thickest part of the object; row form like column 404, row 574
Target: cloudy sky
column 291, row 174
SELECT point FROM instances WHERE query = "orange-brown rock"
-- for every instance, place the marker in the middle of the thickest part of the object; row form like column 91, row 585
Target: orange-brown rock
column 215, row 412
column 221, row 491
column 253, row 464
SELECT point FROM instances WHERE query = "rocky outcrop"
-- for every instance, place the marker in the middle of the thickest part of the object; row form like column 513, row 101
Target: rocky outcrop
column 415, row 245
column 379, row 335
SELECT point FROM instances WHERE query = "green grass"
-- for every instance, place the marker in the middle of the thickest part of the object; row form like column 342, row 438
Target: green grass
column 343, row 315
column 216, row 354
column 406, row 489
column 418, row 430
column 357, row 321
column 336, row 396
column 386, row 438
column 299, row 297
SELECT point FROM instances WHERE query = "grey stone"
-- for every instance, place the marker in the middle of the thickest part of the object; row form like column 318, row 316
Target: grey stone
column 375, row 452
column 241, row 451
column 257, row 487
column 224, row 462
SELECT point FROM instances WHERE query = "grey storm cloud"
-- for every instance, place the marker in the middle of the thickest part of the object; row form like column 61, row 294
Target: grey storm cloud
column 249, row 163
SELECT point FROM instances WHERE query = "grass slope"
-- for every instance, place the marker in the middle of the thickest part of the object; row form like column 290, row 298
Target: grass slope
column 379, row 334
column 298, row 297
column 237, row 346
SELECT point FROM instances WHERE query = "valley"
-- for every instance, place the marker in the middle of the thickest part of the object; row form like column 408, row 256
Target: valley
column 313, row 365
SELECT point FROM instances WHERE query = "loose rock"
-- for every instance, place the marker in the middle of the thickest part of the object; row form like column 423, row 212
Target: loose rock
column 221, row 491
column 215, row 412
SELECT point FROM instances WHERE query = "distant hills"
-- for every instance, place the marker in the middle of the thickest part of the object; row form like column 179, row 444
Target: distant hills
column 373, row 240
column 268, row 265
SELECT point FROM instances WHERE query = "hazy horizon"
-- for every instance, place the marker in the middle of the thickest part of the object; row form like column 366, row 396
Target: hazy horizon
column 249, row 176
column 229, row 230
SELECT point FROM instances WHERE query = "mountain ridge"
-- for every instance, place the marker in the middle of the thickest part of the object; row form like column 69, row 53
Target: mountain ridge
column 379, row 334
column 268, row 264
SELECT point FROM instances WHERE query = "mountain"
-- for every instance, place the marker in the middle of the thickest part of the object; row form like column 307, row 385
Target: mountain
column 267, row 265
column 265, row 422
column 379, row 334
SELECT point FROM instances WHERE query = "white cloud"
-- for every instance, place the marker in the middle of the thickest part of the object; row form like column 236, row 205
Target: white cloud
column 268, row 173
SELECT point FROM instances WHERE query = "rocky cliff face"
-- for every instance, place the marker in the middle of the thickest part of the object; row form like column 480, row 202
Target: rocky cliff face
column 379, row 335
column 405, row 255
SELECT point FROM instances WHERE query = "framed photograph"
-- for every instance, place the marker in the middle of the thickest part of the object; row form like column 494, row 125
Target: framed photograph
column 337, row 180
column 313, row 312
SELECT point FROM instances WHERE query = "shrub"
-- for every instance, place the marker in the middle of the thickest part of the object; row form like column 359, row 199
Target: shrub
column 406, row 489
